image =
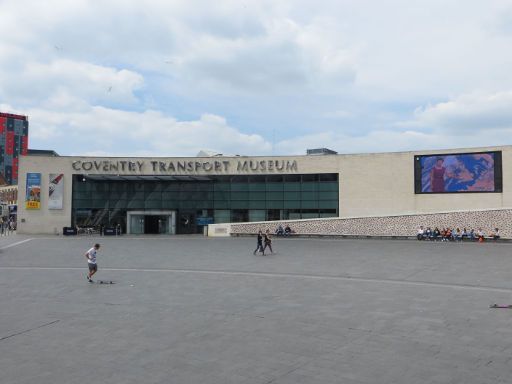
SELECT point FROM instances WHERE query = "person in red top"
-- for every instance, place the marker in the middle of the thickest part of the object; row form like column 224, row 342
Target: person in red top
column 437, row 176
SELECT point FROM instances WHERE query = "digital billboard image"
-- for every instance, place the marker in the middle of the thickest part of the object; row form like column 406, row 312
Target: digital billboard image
column 454, row 173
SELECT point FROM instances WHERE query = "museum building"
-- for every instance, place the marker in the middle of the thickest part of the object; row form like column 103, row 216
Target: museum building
column 183, row 195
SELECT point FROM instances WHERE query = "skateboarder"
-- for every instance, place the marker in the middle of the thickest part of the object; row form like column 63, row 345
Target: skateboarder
column 90, row 255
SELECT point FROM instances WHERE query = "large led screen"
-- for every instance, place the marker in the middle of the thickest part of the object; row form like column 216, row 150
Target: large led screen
column 458, row 172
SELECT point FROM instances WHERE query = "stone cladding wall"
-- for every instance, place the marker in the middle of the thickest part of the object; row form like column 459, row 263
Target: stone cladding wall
column 404, row 225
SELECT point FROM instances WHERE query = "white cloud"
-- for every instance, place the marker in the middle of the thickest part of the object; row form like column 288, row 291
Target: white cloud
column 49, row 82
column 391, row 49
column 469, row 120
column 283, row 56
column 326, row 73
column 338, row 114
column 375, row 141
column 250, row 46
column 117, row 132
column 389, row 141
column 467, row 113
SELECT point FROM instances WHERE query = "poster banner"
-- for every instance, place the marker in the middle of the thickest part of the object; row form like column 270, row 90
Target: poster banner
column 33, row 192
column 55, row 191
column 462, row 172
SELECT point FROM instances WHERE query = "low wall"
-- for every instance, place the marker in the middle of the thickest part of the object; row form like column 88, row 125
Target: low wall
column 219, row 230
column 403, row 225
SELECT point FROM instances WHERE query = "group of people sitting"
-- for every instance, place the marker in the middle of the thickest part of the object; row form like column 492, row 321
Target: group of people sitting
column 450, row 234
column 286, row 231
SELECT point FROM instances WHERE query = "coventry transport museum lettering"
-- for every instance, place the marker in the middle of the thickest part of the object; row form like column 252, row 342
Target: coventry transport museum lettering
column 108, row 166
column 186, row 167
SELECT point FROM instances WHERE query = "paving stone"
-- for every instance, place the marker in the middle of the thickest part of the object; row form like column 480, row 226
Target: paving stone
column 189, row 309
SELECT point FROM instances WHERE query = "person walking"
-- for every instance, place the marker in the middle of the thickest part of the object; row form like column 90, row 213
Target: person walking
column 90, row 255
column 268, row 242
column 259, row 243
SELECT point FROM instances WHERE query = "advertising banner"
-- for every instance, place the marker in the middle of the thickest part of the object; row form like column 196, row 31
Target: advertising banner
column 33, row 192
column 462, row 172
column 56, row 191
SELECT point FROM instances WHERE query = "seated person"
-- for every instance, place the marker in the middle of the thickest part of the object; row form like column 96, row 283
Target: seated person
column 496, row 234
column 287, row 230
column 472, row 235
column 481, row 236
column 448, row 234
column 421, row 233
column 428, row 233
column 280, row 230
column 464, row 234
column 457, row 235
column 436, row 233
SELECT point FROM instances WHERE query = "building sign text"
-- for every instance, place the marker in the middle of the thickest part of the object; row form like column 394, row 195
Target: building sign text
column 186, row 166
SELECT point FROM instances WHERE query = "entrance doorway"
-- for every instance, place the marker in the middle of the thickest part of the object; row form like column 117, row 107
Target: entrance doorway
column 155, row 225
column 151, row 222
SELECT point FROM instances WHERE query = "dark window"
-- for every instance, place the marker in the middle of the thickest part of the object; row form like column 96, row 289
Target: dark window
column 312, row 177
column 292, row 178
column 239, row 179
column 274, row 179
column 273, row 214
column 256, row 179
column 239, row 215
column 96, row 199
column 328, row 177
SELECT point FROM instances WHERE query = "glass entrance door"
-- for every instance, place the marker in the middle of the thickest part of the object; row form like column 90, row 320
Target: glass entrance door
column 163, row 227
column 171, row 223
column 137, row 224
column 151, row 222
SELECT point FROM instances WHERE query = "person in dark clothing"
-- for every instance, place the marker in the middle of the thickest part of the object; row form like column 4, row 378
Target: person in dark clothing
column 259, row 245
column 436, row 233
column 267, row 239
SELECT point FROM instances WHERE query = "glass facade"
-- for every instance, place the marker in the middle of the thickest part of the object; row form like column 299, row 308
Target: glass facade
column 200, row 200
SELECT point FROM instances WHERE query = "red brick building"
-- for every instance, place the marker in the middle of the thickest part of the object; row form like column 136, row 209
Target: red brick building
column 13, row 144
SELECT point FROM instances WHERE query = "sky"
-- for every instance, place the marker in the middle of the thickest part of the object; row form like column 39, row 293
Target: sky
column 173, row 77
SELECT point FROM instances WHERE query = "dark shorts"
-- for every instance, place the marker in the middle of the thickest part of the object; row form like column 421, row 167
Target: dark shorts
column 93, row 267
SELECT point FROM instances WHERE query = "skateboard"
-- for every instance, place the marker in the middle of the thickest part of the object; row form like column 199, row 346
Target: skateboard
column 500, row 306
column 104, row 282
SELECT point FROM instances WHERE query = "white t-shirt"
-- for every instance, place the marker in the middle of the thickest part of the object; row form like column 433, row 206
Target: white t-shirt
column 91, row 254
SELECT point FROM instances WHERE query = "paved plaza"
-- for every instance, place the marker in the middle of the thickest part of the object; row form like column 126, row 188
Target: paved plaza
column 199, row 310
